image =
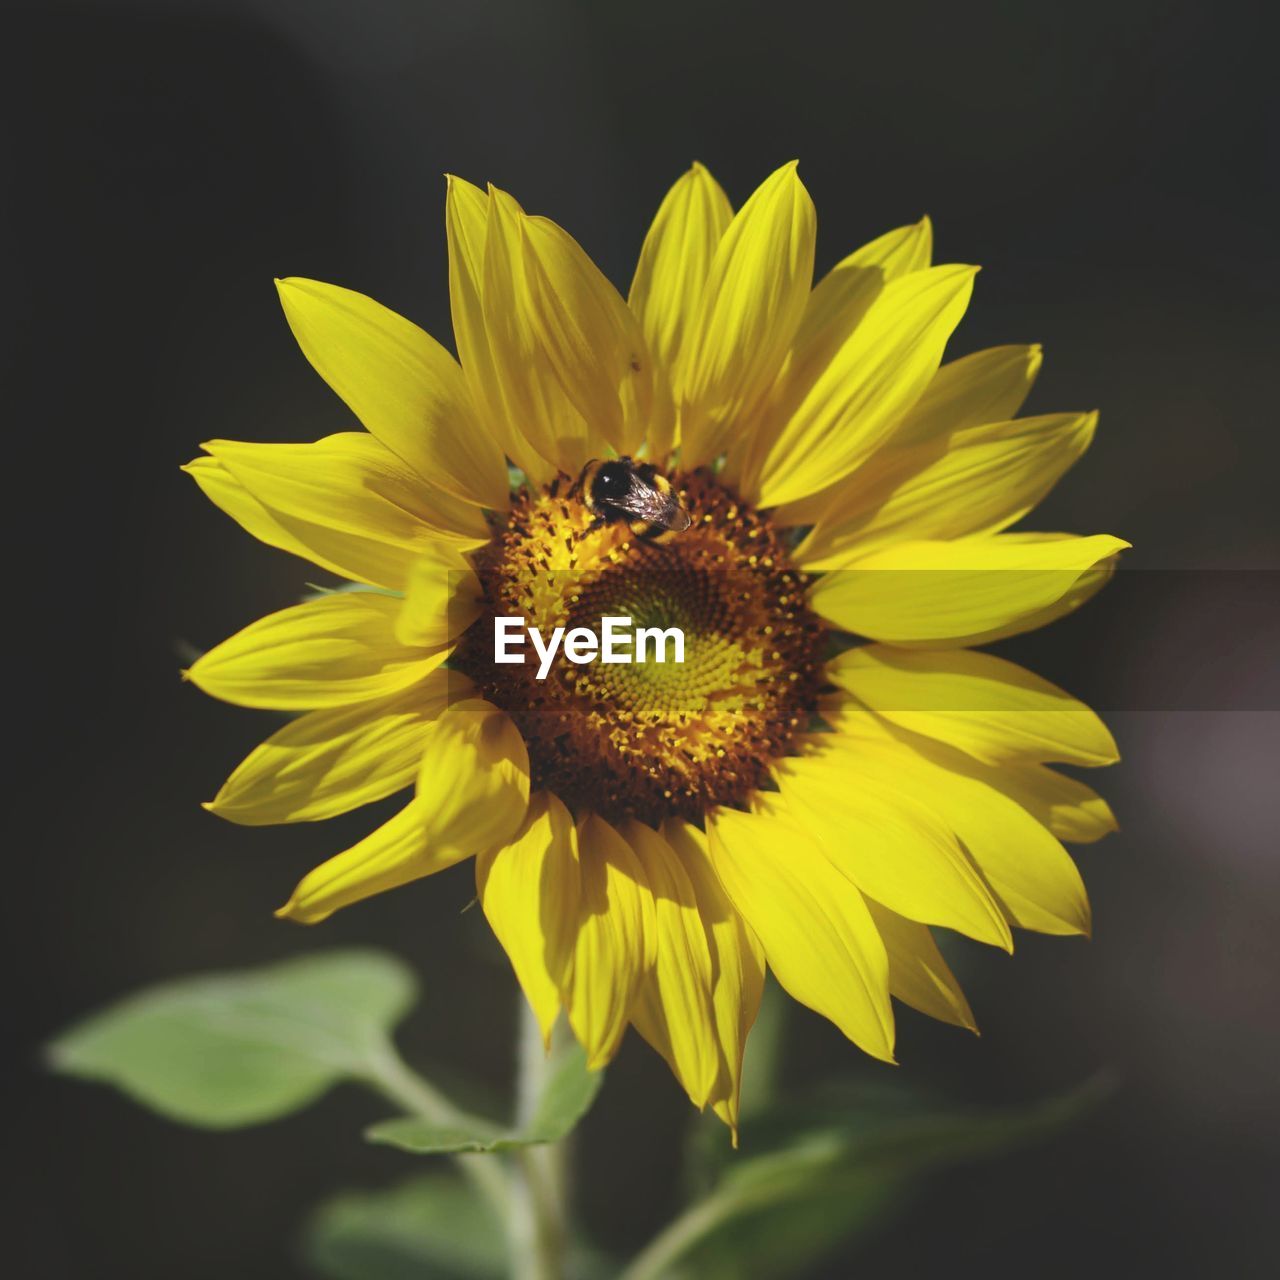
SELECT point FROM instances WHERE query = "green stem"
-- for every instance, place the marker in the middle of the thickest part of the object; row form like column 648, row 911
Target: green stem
column 538, row 1214
column 527, row 1193
column 759, row 1084
column 390, row 1075
column 653, row 1262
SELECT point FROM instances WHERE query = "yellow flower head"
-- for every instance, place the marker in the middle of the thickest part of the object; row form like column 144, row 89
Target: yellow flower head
column 648, row 837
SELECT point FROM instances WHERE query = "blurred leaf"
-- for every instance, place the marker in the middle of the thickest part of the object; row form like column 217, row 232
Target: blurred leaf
column 785, row 1238
column 432, row 1227
column 835, row 1171
column 566, row 1097
column 317, row 589
column 222, row 1050
column 569, row 1091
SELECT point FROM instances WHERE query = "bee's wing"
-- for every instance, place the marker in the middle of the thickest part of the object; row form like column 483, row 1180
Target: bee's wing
column 655, row 502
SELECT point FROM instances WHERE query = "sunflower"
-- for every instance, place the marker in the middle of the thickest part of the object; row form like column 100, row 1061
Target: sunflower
column 834, row 769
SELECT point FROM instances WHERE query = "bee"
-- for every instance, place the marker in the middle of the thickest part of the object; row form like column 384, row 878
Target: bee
column 623, row 489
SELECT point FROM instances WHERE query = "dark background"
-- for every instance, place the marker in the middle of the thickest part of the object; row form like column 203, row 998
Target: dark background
column 1113, row 166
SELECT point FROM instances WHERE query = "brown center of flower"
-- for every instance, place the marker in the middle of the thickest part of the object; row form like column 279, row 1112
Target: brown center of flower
column 650, row 739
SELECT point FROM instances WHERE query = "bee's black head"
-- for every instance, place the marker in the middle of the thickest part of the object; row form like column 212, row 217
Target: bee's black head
column 612, row 481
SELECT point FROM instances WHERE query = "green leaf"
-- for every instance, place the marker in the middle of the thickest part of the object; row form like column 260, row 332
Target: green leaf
column 834, row 1171
column 432, row 1227
column 893, row 1131
column 425, row 1137
column 566, row 1097
column 231, row 1049
column 782, row 1239
column 569, row 1091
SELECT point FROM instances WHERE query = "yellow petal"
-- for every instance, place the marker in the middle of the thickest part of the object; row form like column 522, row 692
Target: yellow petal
column 360, row 556
column 466, row 222
column 737, row 966
column 1065, row 806
column 328, row 652
column 615, row 945
column 474, row 778
column 312, row 542
column 405, row 388
column 872, row 380
column 352, row 486
column 918, row 975
column 751, row 303
column 442, row 598
column 993, row 709
column 887, row 839
column 473, row 792
column 673, row 1009
column 1068, row 808
column 1071, row 810
column 835, row 308
column 529, row 891
column 817, row 933
column 329, row 762
column 977, row 481
column 592, row 340
column 352, row 482
column 532, row 395
column 988, row 386
column 1026, row 866
column 842, row 297
column 1029, row 872
column 673, row 268
column 938, row 594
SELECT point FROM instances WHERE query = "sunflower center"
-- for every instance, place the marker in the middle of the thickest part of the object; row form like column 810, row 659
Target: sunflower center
column 650, row 738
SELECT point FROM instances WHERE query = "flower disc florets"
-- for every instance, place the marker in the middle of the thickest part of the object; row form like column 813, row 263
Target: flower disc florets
column 651, row 739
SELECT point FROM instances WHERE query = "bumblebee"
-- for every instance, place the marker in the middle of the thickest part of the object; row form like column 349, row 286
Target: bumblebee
column 623, row 489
